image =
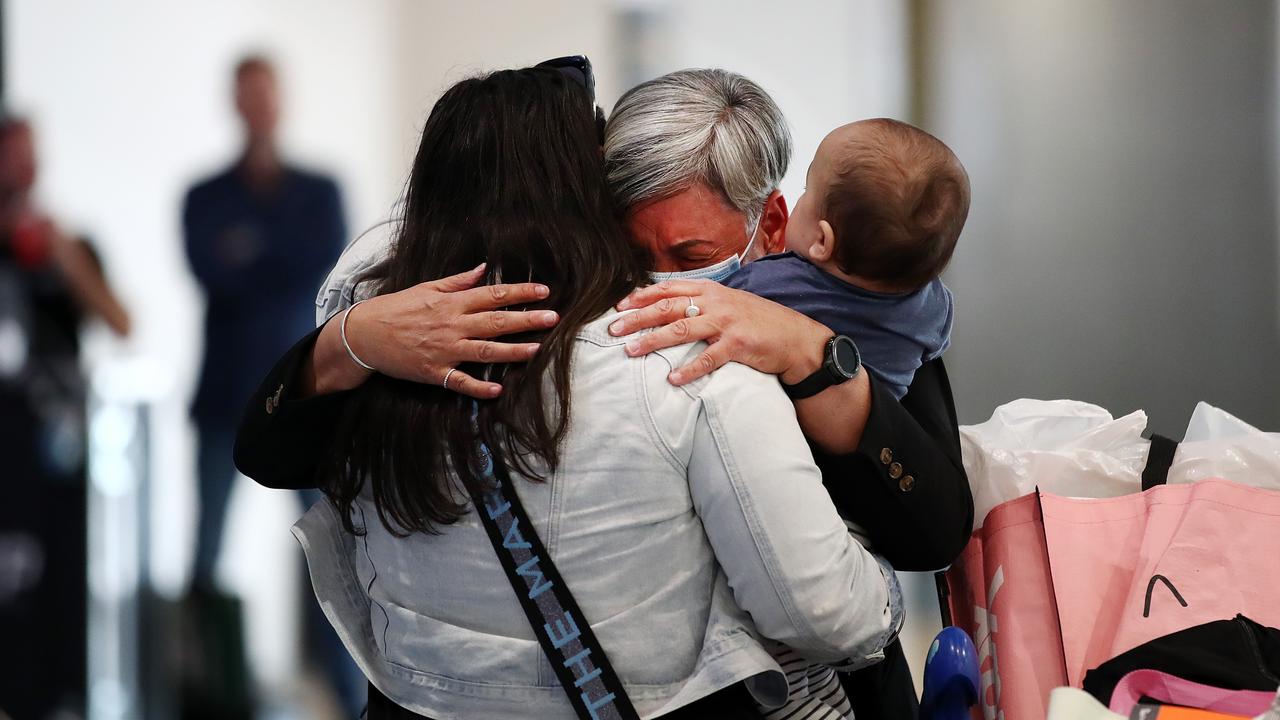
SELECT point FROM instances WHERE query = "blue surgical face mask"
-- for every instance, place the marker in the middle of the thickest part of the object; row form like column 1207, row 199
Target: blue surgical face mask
column 718, row 272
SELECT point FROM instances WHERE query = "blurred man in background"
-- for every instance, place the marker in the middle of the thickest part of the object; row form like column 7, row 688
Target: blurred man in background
column 260, row 236
column 49, row 283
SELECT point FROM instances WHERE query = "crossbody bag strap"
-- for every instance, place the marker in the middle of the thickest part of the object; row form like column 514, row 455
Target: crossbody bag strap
column 575, row 654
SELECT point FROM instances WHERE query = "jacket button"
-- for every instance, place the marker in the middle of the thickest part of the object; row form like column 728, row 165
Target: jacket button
column 895, row 471
column 886, row 456
column 907, row 484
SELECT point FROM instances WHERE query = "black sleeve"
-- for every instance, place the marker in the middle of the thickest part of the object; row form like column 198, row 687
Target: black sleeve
column 279, row 439
column 905, row 484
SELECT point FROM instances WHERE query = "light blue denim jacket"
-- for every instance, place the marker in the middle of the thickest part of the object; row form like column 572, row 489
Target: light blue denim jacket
column 688, row 523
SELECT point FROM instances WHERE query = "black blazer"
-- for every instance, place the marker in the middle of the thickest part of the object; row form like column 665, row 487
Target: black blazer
column 905, row 484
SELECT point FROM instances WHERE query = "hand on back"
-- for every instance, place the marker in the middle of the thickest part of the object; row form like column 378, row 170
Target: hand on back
column 422, row 333
column 738, row 326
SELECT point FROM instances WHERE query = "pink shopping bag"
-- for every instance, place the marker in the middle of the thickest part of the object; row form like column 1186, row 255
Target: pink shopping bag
column 1051, row 586
column 1001, row 593
column 1131, row 569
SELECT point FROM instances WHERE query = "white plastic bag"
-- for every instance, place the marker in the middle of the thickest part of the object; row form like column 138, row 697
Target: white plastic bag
column 1218, row 444
column 1076, row 449
column 1068, row 703
column 1061, row 446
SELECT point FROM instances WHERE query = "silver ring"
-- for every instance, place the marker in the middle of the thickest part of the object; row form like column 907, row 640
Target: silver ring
column 445, row 384
column 693, row 310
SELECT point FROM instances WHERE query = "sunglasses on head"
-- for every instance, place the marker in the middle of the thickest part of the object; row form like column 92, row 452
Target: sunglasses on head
column 578, row 69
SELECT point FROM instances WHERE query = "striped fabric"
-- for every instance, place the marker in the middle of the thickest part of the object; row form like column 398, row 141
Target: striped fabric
column 813, row 691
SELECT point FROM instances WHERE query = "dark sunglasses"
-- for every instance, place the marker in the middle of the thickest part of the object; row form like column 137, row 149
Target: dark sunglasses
column 578, row 69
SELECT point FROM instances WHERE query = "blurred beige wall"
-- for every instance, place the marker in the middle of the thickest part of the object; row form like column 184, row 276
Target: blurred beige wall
column 440, row 43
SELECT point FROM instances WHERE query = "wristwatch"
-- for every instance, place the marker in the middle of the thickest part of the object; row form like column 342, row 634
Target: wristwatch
column 841, row 364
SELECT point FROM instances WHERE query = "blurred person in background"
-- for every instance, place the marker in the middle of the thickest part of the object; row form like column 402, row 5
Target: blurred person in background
column 260, row 235
column 50, row 283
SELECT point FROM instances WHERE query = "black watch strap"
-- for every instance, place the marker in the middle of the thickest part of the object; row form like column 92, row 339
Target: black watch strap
column 809, row 386
column 831, row 373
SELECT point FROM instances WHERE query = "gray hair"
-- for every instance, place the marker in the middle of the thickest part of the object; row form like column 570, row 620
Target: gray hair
column 689, row 126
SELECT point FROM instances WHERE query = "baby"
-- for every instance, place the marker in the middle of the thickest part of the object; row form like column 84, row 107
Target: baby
column 883, row 206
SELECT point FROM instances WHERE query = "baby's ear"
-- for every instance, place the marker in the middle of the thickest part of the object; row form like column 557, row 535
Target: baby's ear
column 825, row 245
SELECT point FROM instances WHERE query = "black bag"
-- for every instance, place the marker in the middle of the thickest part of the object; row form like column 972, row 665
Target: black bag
column 1237, row 654
column 213, row 673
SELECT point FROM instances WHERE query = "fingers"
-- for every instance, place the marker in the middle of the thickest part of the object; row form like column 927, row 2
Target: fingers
column 496, row 323
column 684, row 330
column 492, row 297
column 713, row 358
column 464, row 384
column 489, row 297
column 662, row 312
column 495, row 352
column 461, row 281
column 667, row 288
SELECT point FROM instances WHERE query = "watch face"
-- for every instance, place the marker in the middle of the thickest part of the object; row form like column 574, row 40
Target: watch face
column 845, row 354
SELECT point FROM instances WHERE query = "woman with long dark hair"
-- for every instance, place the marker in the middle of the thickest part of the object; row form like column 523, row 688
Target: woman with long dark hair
column 686, row 528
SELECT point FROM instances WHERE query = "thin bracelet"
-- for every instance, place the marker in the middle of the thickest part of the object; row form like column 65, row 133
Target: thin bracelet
column 342, row 328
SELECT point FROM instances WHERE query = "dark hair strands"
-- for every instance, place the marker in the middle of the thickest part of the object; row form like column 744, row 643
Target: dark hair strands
column 509, row 172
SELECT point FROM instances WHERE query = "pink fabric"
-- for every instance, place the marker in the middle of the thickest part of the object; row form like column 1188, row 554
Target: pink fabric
column 1177, row 691
column 1215, row 542
column 1002, row 595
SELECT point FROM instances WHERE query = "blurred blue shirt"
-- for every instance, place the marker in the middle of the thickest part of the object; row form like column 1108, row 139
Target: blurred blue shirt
column 259, row 257
column 895, row 334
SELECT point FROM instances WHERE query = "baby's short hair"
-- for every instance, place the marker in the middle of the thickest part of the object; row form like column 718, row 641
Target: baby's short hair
column 897, row 202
